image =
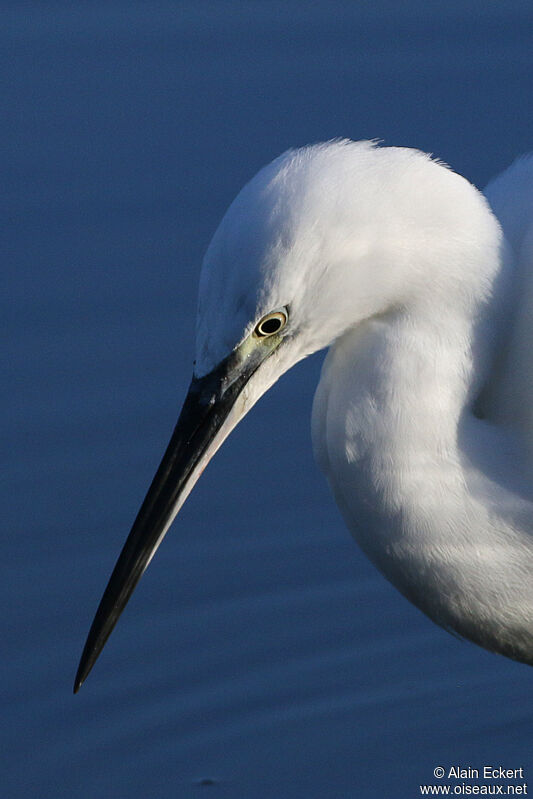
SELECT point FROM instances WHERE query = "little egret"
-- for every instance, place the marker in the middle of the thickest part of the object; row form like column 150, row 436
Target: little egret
column 422, row 288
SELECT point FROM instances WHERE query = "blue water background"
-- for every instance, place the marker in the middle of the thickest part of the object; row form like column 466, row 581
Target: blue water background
column 261, row 651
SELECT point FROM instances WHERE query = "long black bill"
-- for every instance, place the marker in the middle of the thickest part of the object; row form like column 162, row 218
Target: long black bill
column 207, row 406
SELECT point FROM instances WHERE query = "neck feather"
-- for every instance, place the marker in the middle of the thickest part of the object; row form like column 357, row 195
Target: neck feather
column 394, row 432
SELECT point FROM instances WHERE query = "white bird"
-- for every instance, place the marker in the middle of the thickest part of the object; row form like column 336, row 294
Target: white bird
column 423, row 417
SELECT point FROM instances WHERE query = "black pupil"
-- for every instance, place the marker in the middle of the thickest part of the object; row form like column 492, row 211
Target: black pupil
column 270, row 326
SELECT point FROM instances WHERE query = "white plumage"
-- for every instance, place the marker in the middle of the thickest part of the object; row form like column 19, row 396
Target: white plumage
column 423, row 414
column 423, row 418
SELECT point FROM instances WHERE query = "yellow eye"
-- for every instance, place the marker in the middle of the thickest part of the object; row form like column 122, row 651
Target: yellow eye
column 271, row 323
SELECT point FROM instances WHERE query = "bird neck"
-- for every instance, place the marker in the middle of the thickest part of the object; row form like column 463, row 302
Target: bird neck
column 393, row 391
column 412, row 377
column 418, row 370
column 398, row 392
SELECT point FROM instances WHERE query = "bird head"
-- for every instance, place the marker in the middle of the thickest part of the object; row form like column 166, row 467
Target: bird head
column 303, row 235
